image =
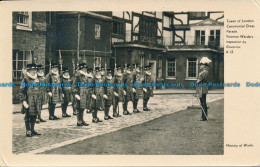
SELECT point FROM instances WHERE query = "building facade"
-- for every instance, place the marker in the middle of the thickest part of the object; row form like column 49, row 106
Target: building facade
column 171, row 42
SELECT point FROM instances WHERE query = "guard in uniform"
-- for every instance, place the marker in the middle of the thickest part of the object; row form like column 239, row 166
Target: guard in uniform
column 43, row 97
column 138, row 90
column 119, row 92
column 30, row 99
column 108, row 92
column 203, row 91
column 66, row 90
column 74, row 100
column 54, row 90
column 80, row 90
column 98, row 95
column 128, row 79
column 148, row 90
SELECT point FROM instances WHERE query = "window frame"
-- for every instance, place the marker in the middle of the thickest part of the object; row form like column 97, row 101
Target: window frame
column 97, row 31
column 15, row 77
column 167, row 76
column 187, row 70
column 200, row 36
column 28, row 26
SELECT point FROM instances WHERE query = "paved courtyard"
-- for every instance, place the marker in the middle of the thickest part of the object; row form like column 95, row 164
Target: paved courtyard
column 63, row 132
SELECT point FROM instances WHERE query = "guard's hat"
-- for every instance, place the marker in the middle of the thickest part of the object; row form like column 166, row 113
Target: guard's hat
column 82, row 65
column 90, row 70
column 109, row 71
column 54, row 65
column 118, row 67
column 65, row 69
column 102, row 68
column 97, row 69
column 205, row 61
column 31, row 66
column 40, row 67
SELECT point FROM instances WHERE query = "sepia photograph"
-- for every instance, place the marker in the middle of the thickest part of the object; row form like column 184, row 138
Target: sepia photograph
column 118, row 82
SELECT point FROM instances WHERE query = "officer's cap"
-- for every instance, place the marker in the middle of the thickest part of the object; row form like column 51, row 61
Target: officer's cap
column 40, row 67
column 82, row 65
column 31, row 66
column 65, row 69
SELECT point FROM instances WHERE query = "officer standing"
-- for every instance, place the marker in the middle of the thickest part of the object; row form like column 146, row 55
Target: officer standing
column 43, row 98
column 108, row 91
column 203, row 91
column 80, row 91
column 66, row 89
column 54, row 90
column 98, row 96
column 129, row 88
column 138, row 88
column 148, row 90
column 30, row 99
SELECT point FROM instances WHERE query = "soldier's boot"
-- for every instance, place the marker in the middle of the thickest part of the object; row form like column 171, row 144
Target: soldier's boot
column 106, row 113
column 38, row 118
column 84, row 123
column 135, row 106
column 32, row 122
column 114, row 111
column 28, row 127
column 97, row 116
column 74, row 111
column 50, row 112
column 79, row 121
column 145, row 105
column 64, row 107
column 126, row 112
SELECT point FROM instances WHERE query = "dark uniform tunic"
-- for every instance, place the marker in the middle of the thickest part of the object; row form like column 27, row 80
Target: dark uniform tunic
column 99, row 92
column 30, row 94
column 119, row 89
column 42, row 91
column 108, row 90
column 84, row 91
column 139, row 89
column 129, row 80
column 149, row 92
column 55, row 90
column 66, row 89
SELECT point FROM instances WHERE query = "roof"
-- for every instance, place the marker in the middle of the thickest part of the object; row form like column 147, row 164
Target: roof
column 208, row 22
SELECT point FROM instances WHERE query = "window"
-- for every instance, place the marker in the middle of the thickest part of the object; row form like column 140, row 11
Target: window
column 199, row 37
column 23, row 18
column 118, row 27
column 171, row 68
column 192, row 68
column 214, row 38
column 20, row 61
column 97, row 61
column 166, row 21
column 24, row 21
column 97, row 31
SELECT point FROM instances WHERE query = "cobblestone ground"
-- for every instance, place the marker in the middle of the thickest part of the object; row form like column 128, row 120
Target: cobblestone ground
column 64, row 131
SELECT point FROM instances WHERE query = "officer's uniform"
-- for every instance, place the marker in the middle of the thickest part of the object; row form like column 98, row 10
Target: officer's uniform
column 83, row 92
column 55, row 90
column 128, row 79
column 67, row 92
column 149, row 89
column 118, row 91
column 43, row 97
column 31, row 101
column 203, row 91
column 108, row 91
column 138, row 94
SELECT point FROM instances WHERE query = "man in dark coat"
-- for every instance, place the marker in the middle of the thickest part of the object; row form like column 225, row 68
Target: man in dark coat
column 30, row 99
column 148, row 90
column 138, row 88
column 42, row 91
column 54, row 90
column 119, row 92
column 81, row 93
column 66, row 90
column 128, row 79
column 74, row 100
column 108, row 93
